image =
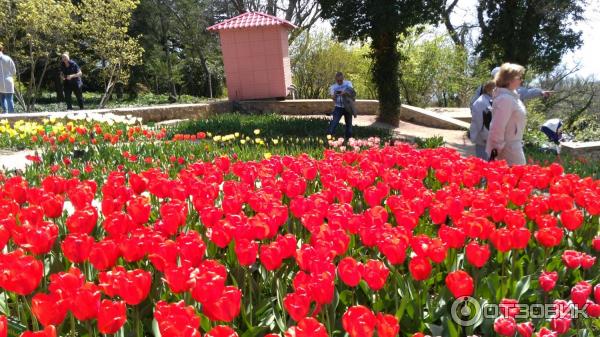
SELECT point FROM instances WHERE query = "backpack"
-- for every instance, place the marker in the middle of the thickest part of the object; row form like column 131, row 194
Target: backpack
column 487, row 116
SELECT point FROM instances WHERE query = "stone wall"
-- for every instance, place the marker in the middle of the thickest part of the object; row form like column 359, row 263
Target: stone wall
column 588, row 150
column 303, row 106
column 161, row 113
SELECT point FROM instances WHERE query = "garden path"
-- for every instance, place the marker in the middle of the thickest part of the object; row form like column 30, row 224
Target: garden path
column 454, row 139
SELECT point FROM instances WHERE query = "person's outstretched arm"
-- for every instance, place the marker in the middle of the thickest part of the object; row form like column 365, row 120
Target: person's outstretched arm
column 529, row 93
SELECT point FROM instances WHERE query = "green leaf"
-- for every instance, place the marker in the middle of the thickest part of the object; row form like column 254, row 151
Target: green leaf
column 522, row 287
column 254, row 331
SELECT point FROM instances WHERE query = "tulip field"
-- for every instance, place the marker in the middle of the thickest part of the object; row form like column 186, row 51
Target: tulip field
column 122, row 229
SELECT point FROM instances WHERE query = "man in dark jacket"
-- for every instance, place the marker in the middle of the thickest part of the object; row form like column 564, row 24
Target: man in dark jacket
column 70, row 73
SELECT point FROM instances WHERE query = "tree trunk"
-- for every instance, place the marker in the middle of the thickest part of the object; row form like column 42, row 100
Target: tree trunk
column 165, row 41
column 385, row 75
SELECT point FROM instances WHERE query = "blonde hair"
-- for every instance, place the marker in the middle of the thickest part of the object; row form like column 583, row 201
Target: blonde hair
column 508, row 72
column 489, row 87
column 1, row 46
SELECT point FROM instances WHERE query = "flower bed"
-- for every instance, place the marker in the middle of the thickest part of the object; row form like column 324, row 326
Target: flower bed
column 190, row 238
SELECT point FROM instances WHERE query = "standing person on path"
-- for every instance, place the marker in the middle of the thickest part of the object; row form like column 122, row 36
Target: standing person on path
column 481, row 111
column 505, row 139
column 70, row 73
column 337, row 91
column 7, row 82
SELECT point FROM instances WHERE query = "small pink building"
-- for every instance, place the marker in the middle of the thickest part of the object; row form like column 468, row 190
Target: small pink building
column 255, row 55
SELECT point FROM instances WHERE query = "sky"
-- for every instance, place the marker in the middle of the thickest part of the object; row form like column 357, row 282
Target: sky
column 587, row 56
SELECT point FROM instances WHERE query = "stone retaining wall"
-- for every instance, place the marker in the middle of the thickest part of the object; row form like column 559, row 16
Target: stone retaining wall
column 589, row 150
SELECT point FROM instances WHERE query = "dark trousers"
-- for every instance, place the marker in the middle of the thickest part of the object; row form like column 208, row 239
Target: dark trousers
column 69, row 88
column 337, row 115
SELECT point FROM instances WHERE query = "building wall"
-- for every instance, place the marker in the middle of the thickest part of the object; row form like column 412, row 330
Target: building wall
column 256, row 62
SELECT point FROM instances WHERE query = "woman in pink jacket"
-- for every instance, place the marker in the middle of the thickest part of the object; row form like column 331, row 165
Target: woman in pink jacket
column 505, row 139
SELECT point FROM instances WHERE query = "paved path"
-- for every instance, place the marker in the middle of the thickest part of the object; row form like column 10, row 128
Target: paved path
column 10, row 160
column 454, row 139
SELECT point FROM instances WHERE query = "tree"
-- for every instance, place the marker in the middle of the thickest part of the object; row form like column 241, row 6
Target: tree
column 104, row 25
column 35, row 31
column 315, row 58
column 435, row 70
column 381, row 22
column 533, row 33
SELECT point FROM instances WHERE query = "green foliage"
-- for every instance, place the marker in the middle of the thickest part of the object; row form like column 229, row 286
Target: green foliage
column 430, row 143
column 381, row 21
column 104, row 26
column 271, row 126
column 532, row 33
column 433, row 69
column 315, row 58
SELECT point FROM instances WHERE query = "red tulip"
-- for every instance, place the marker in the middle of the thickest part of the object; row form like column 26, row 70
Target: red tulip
column 502, row 239
column 349, row 271
column 375, row 274
column 139, row 209
column 21, row 273
column 49, row 309
column 571, row 219
column 135, row 286
column 572, row 259
column 477, row 255
column 83, row 220
column 104, row 254
column 560, row 324
column 3, row 326
column 86, row 303
column 525, row 329
column 221, row 331
column 38, row 238
column 77, row 247
column 208, row 282
column 191, row 248
column 270, row 256
column 419, row 268
column 548, row 280
column 592, row 309
column 549, row 237
column 596, row 243
column 587, row 261
column 297, row 305
column 545, row 332
column 111, row 316
column 580, row 293
column 454, row 237
column 459, row 283
column 597, row 293
column 178, row 278
column 509, row 307
column 387, row 325
column 309, row 327
column 177, row 319
column 53, row 205
column 49, row 331
column 4, row 236
column 505, row 326
column 226, row 307
column 359, row 321
column 246, row 251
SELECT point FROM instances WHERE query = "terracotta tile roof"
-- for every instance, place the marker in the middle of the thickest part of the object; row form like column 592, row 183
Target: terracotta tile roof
column 251, row 20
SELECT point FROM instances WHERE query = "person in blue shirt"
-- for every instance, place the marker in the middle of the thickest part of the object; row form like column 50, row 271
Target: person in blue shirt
column 71, row 74
column 337, row 91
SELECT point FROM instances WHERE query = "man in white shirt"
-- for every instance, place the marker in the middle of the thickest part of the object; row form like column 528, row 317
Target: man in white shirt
column 337, row 91
column 7, row 84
